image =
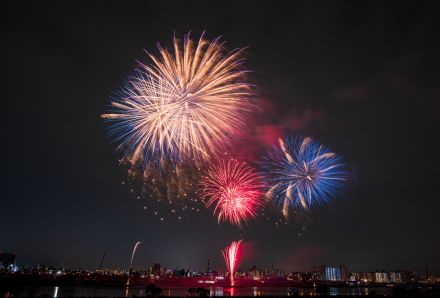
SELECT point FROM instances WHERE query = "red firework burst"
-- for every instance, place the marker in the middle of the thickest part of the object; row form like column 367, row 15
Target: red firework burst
column 234, row 189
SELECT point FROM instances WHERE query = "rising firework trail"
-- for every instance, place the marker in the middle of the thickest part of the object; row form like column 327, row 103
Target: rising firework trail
column 131, row 260
column 188, row 104
column 302, row 173
column 231, row 256
column 234, row 189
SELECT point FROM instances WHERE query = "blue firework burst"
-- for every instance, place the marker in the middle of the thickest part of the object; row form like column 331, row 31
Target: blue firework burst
column 302, row 173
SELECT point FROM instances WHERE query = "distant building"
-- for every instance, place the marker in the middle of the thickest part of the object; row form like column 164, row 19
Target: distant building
column 155, row 270
column 298, row 276
column 332, row 273
column 381, row 277
column 317, row 272
column 179, row 272
column 365, row 277
column 7, row 261
column 401, row 277
column 254, row 272
column 165, row 271
column 280, row 272
column 329, row 273
column 344, row 273
column 396, row 277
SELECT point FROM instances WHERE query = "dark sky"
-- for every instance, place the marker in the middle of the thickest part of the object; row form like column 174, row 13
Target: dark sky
column 362, row 78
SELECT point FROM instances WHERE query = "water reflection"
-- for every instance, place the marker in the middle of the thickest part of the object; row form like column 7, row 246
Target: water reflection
column 55, row 292
column 217, row 291
column 256, row 291
column 83, row 291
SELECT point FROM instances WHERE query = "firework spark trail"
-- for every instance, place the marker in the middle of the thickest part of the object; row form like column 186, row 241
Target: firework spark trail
column 131, row 260
column 133, row 253
column 234, row 189
column 230, row 255
column 186, row 105
column 302, row 173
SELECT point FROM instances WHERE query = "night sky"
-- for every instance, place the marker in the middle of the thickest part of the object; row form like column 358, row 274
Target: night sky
column 361, row 78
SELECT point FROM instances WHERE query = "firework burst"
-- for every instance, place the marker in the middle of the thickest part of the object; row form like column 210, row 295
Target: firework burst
column 302, row 173
column 185, row 105
column 234, row 189
column 231, row 256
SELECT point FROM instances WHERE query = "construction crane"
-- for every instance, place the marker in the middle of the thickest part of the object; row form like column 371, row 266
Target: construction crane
column 102, row 260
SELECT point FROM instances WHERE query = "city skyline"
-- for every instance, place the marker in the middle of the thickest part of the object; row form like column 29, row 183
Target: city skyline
column 157, row 272
column 208, row 266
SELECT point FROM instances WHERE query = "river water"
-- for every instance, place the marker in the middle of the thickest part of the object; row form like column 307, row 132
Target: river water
column 83, row 291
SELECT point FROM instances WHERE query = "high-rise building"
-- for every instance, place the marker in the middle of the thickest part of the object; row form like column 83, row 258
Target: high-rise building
column 317, row 272
column 330, row 273
column 344, row 273
column 401, row 276
column 381, row 277
column 364, row 277
column 155, row 270
column 179, row 272
column 396, row 277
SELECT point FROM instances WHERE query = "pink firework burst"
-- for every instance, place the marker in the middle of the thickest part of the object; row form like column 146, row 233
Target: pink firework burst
column 231, row 254
column 234, row 189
